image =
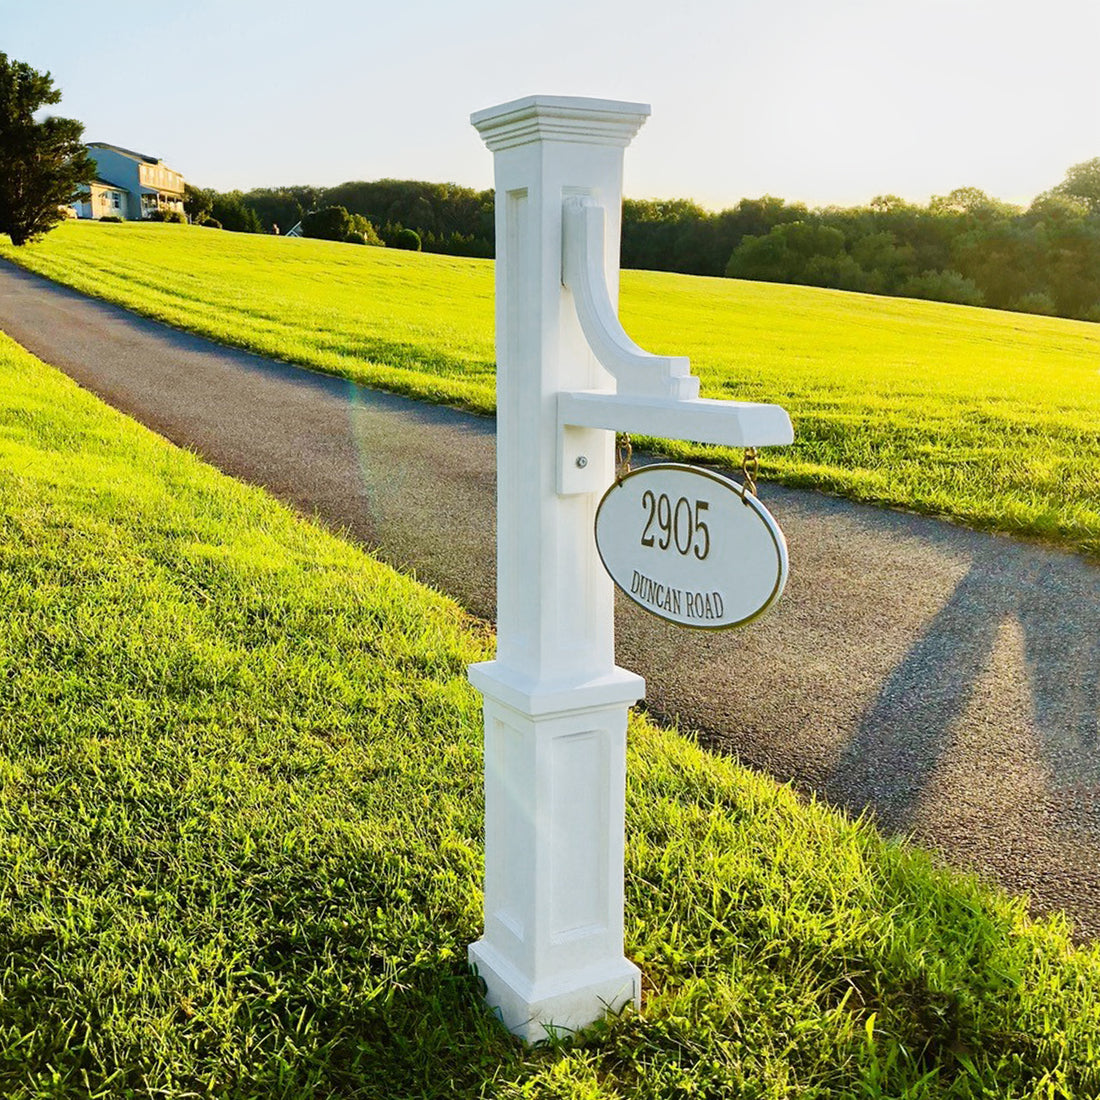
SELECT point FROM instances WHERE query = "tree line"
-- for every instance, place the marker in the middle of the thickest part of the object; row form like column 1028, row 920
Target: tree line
column 964, row 247
column 442, row 217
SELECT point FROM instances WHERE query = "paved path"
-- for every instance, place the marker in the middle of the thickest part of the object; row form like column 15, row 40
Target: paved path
column 946, row 679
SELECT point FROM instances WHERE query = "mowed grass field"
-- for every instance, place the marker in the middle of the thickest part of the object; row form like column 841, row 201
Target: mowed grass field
column 987, row 417
column 240, row 840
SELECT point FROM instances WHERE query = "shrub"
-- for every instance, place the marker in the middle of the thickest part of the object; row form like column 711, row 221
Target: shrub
column 943, row 286
column 110, row 218
column 230, row 210
column 361, row 226
column 211, row 223
column 795, row 252
column 408, row 239
column 1038, row 302
column 197, row 203
column 333, row 223
column 159, row 215
column 839, row 271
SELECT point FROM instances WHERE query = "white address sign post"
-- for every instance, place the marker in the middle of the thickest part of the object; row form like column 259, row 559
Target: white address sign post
column 555, row 703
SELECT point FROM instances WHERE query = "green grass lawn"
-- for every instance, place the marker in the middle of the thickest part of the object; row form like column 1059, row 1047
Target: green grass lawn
column 240, row 840
column 987, row 417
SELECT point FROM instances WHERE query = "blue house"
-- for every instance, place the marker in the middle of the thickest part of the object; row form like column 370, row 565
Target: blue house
column 129, row 185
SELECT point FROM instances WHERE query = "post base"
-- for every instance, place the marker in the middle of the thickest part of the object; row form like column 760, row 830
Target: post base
column 544, row 1010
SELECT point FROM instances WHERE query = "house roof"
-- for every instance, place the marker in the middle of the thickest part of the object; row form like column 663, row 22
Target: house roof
column 125, row 152
column 99, row 181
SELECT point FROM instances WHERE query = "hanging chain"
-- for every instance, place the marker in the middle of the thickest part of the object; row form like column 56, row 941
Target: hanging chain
column 750, row 463
column 623, row 453
column 750, row 467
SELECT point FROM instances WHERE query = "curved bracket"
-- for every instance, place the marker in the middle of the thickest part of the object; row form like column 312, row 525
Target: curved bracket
column 638, row 373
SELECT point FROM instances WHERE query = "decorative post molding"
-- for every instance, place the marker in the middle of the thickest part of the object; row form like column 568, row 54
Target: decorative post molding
column 555, row 703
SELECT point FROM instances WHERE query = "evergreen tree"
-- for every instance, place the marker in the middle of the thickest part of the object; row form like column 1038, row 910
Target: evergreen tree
column 43, row 165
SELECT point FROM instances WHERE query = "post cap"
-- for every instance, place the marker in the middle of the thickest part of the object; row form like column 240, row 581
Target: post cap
column 559, row 118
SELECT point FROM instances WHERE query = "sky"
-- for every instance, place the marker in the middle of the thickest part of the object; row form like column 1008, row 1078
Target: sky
column 819, row 101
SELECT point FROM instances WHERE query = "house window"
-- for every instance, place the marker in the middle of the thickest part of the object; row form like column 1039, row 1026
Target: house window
column 116, row 200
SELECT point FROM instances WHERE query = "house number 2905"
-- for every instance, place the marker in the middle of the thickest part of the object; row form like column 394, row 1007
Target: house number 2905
column 680, row 524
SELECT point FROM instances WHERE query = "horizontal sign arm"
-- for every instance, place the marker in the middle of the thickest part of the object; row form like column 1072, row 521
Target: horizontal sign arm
column 699, row 420
column 582, row 413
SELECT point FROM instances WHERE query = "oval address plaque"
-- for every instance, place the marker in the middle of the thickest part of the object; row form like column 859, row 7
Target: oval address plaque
column 684, row 544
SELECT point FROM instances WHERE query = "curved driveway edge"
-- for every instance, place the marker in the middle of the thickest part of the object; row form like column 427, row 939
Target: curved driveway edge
column 947, row 680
